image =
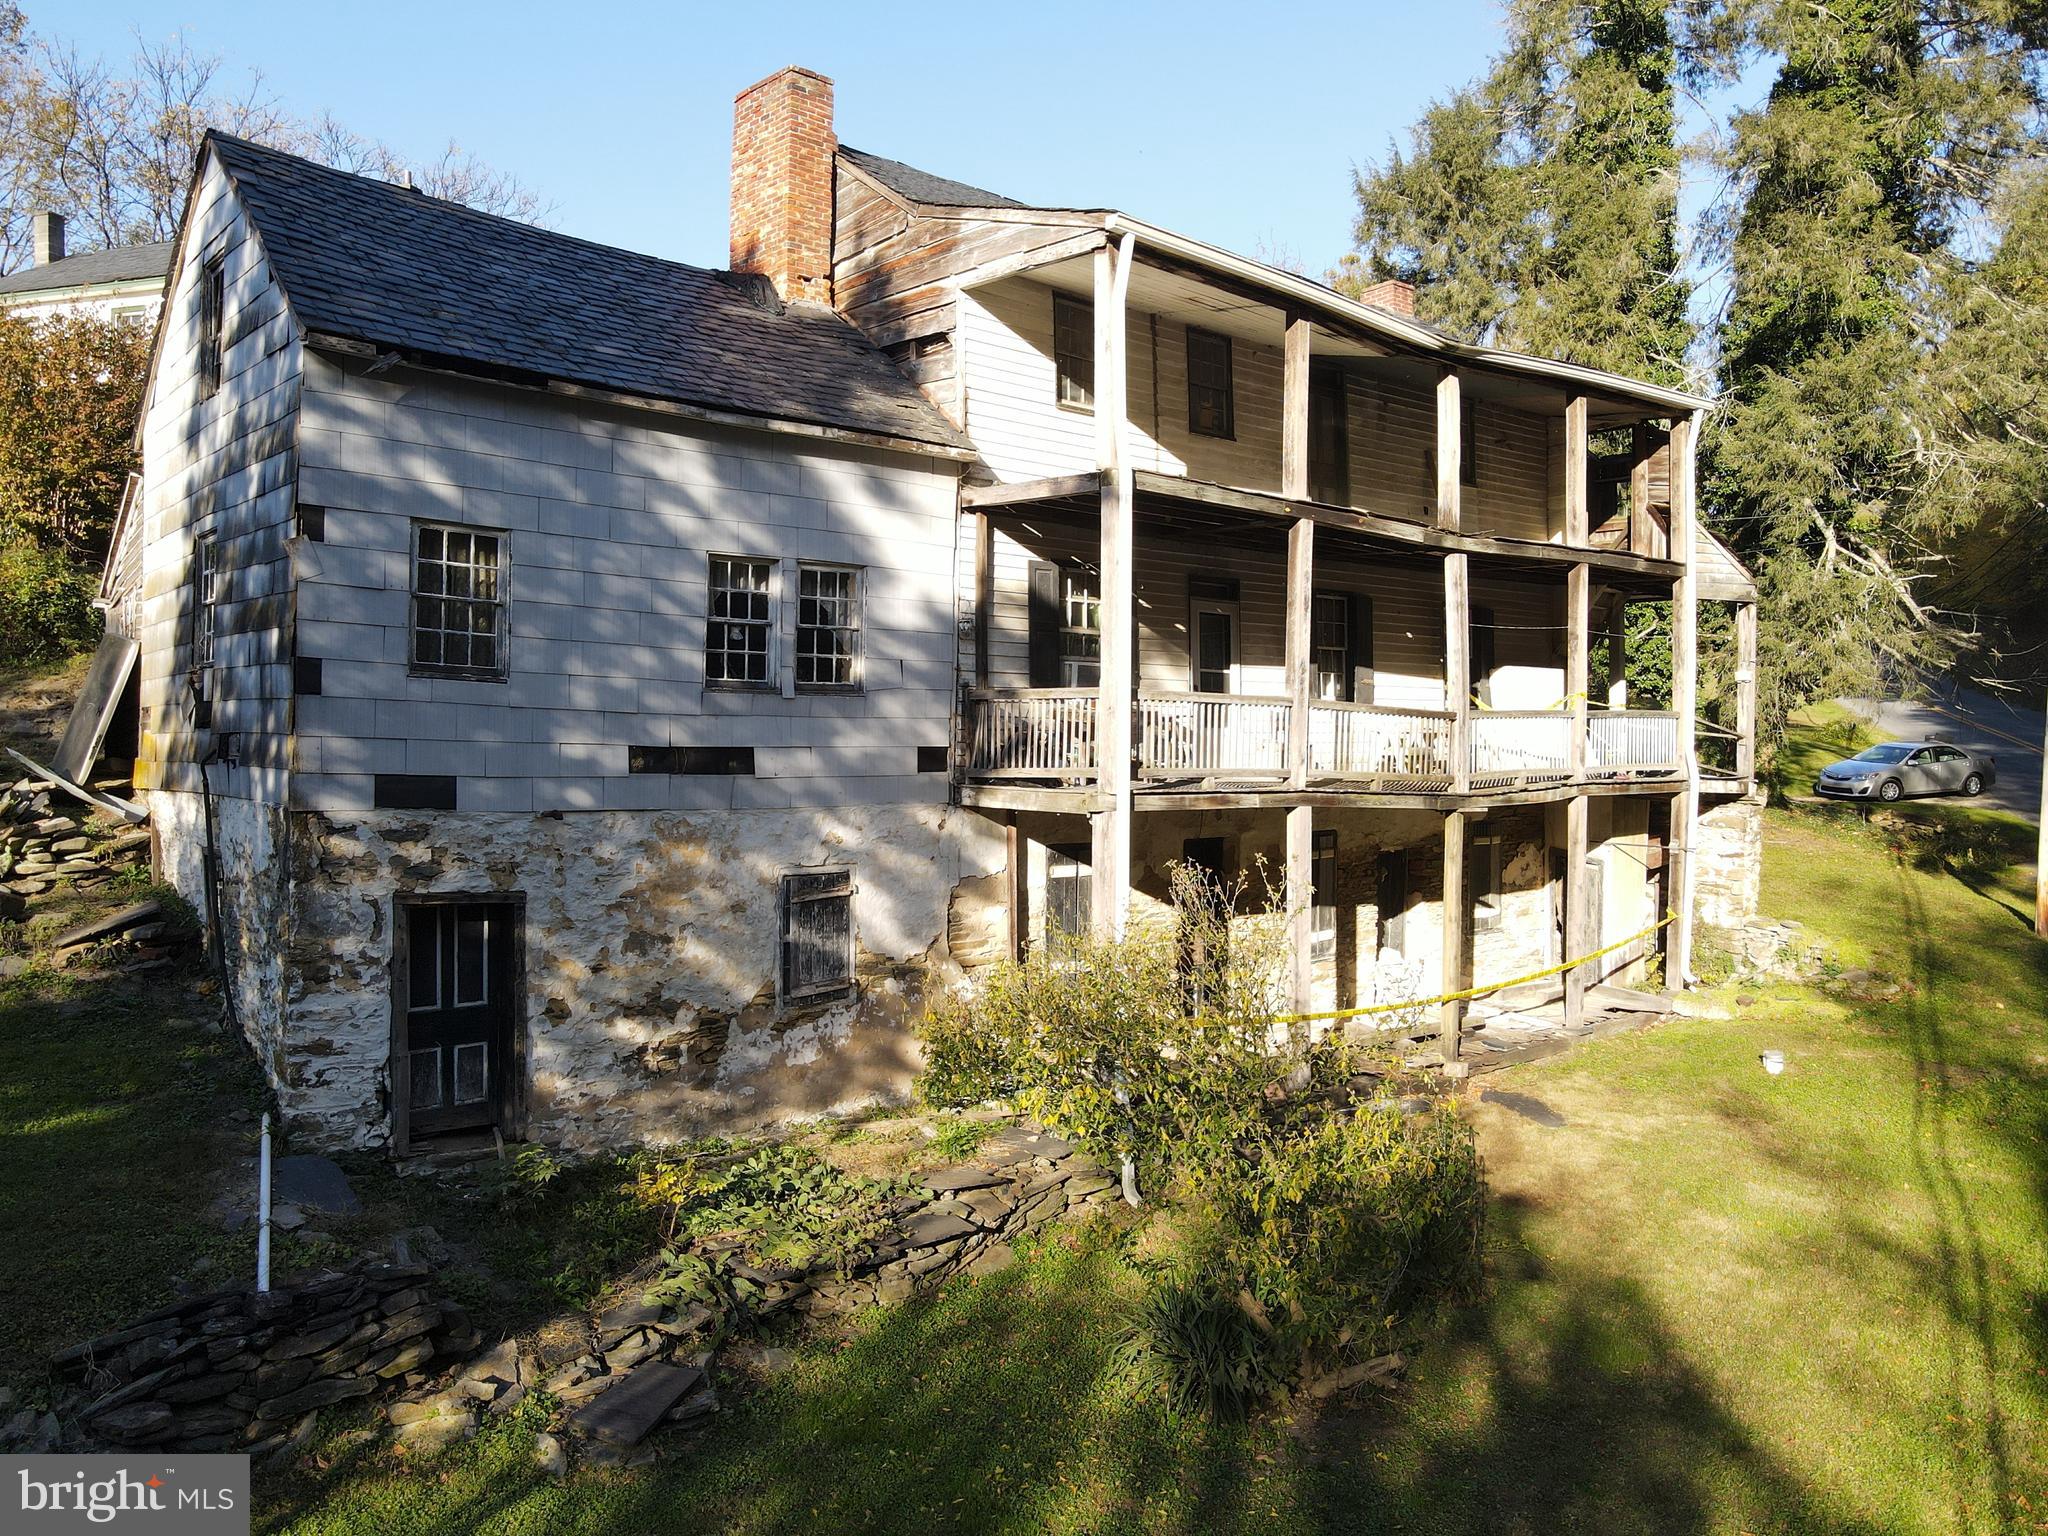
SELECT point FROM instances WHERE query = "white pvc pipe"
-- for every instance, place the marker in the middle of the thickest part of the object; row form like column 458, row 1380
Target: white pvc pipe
column 263, row 1210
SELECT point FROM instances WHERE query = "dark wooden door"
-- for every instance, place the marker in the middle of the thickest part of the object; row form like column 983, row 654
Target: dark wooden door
column 458, row 992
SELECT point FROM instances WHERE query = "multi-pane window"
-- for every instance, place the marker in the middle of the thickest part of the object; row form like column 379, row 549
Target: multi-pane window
column 1080, row 628
column 1211, row 405
column 817, row 933
column 1323, row 912
column 1068, row 881
column 458, row 601
column 828, row 626
column 1073, row 350
column 205, row 600
column 1330, row 644
column 213, row 293
column 736, row 648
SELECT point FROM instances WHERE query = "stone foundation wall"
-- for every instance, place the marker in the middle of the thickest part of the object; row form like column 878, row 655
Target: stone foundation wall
column 652, row 953
column 239, row 1370
column 1728, row 860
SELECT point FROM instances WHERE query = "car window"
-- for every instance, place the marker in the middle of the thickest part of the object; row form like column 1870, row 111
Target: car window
column 1890, row 752
column 1919, row 757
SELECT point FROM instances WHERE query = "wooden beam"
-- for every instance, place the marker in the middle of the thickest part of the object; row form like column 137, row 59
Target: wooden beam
column 1294, row 371
column 1457, row 917
column 1577, row 510
column 1684, row 693
column 1053, row 488
column 1450, row 440
column 1745, row 690
column 1110, row 827
column 1458, row 667
column 1578, row 940
column 1029, row 797
column 1641, row 527
column 1578, row 639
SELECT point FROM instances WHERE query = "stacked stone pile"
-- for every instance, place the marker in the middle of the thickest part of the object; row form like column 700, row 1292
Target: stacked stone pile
column 240, row 1370
column 45, row 838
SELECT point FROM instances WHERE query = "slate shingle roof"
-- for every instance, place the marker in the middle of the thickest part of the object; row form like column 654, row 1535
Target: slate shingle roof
column 122, row 264
column 372, row 262
column 923, row 187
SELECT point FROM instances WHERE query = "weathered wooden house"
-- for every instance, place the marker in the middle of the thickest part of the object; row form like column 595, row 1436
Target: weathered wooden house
column 598, row 695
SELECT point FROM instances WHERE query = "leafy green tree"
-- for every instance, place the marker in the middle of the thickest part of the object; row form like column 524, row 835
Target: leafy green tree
column 70, row 393
column 1538, row 208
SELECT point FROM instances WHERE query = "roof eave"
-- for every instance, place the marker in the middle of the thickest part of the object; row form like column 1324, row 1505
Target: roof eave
column 1405, row 333
column 360, row 347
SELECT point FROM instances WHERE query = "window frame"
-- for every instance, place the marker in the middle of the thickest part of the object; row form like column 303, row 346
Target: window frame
column 1089, row 595
column 1317, row 650
column 1484, row 856
column 771, row 625
column 213, row 304
column 790, row 903
column 205, row 605
column 1322, row 935
column 1227, row 390
column 501, row 669
column 856, row 600
column 1073, row 387
column 1071, row 865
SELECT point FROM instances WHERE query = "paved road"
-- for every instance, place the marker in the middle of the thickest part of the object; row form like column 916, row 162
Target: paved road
column 1980, row 723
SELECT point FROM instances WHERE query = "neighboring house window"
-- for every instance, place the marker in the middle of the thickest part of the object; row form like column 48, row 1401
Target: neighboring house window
column 1073, row 350
column 1080, row 629
column 458, row 601
column 1485, row 856
column 1323, row 881
column 817, row 933
column 1211, row 406
column 213, row 292
column 828, row 626
column 736, row 643
column 132, row 314
column 1330, row 634
column 1068, row 879
column 1468, row 445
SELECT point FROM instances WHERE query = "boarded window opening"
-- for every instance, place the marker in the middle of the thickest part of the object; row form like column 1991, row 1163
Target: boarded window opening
column 213, row 294
column 817, row 934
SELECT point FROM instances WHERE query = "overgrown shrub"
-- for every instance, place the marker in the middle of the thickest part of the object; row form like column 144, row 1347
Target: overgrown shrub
column 46, row 610
column 1309, row 1215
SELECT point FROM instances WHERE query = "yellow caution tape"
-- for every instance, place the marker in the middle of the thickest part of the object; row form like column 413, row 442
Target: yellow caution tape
column 1492, row 986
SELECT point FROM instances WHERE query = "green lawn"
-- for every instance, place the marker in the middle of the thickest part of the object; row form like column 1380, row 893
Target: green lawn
column 1719, row 1301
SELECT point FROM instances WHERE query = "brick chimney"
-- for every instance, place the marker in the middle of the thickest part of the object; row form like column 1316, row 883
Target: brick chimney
column 782, row 148
column 1392, row 294
column 47, row 236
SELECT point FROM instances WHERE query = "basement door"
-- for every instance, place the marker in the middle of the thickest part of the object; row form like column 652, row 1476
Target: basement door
column 453, row 1046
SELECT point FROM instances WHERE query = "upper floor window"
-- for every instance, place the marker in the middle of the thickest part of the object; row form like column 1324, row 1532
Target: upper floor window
column 828, row 626
column 1212, row 410
column 1073, row 350
column 736, row 643
column 1330, row 637
column 458, row 601
column 1080, row 628
column 213, row 293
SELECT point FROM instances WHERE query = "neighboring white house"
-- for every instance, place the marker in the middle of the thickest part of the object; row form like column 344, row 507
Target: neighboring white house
column 125, row 283
column 597, row 696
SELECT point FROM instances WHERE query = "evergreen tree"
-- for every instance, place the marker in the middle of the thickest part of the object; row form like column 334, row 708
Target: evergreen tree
column 1538, row 208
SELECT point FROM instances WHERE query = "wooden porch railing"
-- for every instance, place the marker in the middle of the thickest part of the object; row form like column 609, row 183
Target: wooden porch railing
column 1515, row 745
column 1212, row 734
column 1032, row 733
column 1631, row 739
column 1363, row 741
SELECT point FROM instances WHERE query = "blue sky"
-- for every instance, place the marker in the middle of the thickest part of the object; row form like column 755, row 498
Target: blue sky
column 1237, row 124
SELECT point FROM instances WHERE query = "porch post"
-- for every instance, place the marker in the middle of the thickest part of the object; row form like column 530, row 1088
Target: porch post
column 1745, row 690
column 1015, row 882
column 984, row 592
column 1640, row 525
column 1684, row 693
column 1578, row 621
column 1450, row 439
column 1457, row 910
column 1301, row 535
column 1110, row 825
column 1576, row 939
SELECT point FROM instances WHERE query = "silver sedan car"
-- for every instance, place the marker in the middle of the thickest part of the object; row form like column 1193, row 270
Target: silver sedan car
column 1898, row 770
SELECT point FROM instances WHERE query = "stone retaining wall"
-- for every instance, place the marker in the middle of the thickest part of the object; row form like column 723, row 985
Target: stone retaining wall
column 242, row 1370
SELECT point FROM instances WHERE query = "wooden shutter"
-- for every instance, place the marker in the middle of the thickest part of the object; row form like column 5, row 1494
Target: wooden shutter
column 1044, row 579
column 1358, row 635
column 1391, row 900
